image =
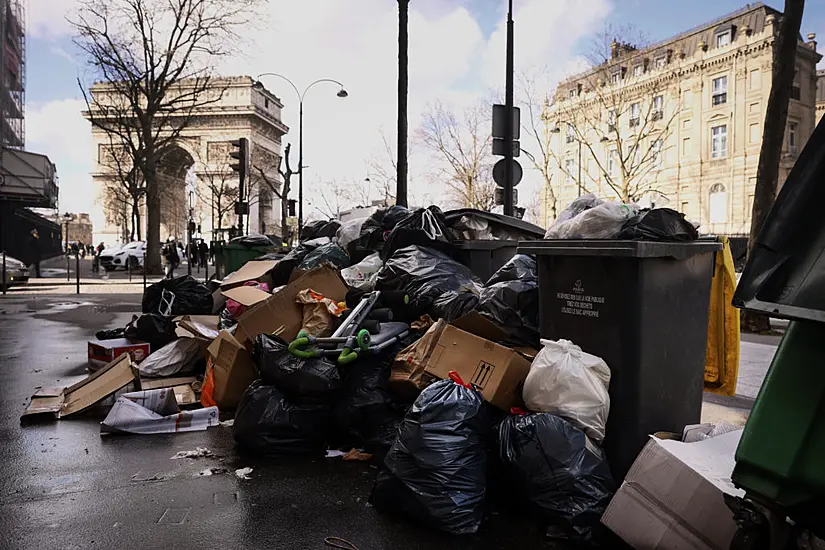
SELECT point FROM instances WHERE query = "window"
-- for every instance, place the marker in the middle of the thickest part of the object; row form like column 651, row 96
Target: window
column 616, row 77
column 635, row 111
column 793, row 137
column 658, row 107
column 795, row 92
column 611, row 120
column 753, row 133
column 685, row 146
column 754, row 108
column 723, row 39
column 685, row 206
column 656, row 153
column 571, row 134
column 611, row 161
column 686, row 124
column 718, row 211
column 660, row 62
column 720, row 90
column 638, row 70
column 266, row 103
column 569, row 166
column 572, row 93
column 755, row 80
column 719, row 141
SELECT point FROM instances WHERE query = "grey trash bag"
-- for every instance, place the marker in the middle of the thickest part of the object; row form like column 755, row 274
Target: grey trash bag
column 436, row 470
column 178, row 357
column 551, row 463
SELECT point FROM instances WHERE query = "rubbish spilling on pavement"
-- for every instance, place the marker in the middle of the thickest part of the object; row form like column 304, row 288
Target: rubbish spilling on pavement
column 376, row 340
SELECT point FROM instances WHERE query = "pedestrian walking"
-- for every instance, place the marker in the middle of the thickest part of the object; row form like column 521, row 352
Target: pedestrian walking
column 170, row 254
column 82, row 251
column 96, row 261
column 34, row 247
column 203, row 252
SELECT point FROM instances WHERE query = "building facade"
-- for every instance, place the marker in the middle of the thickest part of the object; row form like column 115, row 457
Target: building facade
column 820, row 94
column 13, row 66
column 195, row 177
column 679, row 123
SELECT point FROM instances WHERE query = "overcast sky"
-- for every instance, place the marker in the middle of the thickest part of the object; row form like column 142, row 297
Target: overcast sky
column 456, row 55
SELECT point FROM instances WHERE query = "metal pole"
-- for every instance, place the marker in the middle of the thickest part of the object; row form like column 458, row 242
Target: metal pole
column 579, row 180
column 403, row 94
column 129, row 265
column 300, row 166
column 68, row 267
column 77, row 270
column 4, row 270
column 144, row 274
column 508, row 120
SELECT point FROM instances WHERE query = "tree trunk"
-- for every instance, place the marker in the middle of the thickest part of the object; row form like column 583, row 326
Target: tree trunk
column 152, row 260
column 773, row 136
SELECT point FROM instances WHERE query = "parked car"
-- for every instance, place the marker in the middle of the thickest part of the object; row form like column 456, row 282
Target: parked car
column 129, row 254
column 16, row 272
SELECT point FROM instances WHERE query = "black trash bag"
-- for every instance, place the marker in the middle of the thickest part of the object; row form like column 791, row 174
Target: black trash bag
column 548, row 462
column 155, row 329
column 321, row 228
column 269, row 256
column 252, row 241
column 326, row 254
column 511, row 300
column 302, row 380
column 424, row 227
column 374, row 232
column 191, row 296
column 520, row 267
column 366, row 414
column 266, row 422
column 284, row 268
column 110, row 334
column 226, row 320
column 659, row 224
column 435, row 471
column 436, row 284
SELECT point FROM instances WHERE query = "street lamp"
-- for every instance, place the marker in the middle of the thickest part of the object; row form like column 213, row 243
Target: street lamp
column 66, row 219
column 342, row 93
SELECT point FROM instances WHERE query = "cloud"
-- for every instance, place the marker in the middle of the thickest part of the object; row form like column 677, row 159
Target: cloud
column 57, row 129
column 47, row 19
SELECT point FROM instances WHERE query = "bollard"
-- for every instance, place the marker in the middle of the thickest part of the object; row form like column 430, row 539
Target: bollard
column 68, row 267
column 144, row 275
column 77, row 271
column 129, row 265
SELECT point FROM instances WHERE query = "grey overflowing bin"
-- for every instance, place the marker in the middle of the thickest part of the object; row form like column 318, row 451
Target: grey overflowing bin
column 484, row 257
column 643, row 308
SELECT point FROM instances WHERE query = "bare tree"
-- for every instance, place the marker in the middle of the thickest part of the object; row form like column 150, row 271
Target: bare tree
column 154, row 59
column 125, row 182
column 221, row 184
column 264, row 169
column 776, row 116
column 383, row 171
column 463, row 143
column 537, row 145
column 620, row 118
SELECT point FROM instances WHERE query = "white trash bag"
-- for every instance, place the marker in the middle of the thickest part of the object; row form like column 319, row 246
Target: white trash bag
column 178, row 357
column 348, row 232
column 364, row 274
column 603, row 221
column 565, row 381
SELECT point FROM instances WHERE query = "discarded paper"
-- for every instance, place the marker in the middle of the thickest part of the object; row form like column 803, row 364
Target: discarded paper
column 154, row 412
column 243, row 473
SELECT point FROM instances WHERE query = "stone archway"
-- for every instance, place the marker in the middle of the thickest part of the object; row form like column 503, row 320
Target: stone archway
column 173, row 169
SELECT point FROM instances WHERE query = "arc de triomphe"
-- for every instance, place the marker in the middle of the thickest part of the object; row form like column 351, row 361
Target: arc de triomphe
column 195, row 173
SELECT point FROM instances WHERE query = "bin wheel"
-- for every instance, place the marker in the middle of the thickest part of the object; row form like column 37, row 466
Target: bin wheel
column 363, row 339
column 751, row 537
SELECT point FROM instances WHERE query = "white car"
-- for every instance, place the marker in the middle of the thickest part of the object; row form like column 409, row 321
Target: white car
column 16, row 272
column 132, row 253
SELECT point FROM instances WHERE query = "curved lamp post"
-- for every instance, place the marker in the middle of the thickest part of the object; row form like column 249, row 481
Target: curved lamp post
column 342, row 93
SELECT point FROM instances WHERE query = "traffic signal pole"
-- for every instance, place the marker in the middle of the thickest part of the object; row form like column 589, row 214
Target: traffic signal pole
column 508, row 120
column 242, row 156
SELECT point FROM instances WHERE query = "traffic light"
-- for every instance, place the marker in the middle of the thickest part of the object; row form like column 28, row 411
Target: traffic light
column 241, row 155
column 291, row 207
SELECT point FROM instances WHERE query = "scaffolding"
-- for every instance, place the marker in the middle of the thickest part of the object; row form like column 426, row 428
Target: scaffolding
column 13, row 67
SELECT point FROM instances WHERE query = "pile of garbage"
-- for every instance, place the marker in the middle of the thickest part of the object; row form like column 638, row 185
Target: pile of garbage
column 372, row 339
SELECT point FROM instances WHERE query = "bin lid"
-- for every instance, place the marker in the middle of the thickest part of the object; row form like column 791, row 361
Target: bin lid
column 785, row 273
column 522, row 226
column 485, row 245
column 618, row 249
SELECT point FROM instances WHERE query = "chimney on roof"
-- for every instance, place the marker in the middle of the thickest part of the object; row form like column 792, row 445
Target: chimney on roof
column 812, row 40
column 614, row 49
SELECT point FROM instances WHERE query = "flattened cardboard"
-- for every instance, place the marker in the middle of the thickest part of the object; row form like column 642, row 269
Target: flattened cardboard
column 203, row 327
column 246, row 295
column 158, row 383
column 496, row 371
column 280, row 312
column 673, row 496
column 82, row 395
column 232, row 369
column 250, row 271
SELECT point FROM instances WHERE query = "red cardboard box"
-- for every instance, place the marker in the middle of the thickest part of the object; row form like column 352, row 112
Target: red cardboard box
column 102, row 352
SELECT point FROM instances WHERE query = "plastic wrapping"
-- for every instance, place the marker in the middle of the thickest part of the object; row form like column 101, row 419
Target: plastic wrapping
column 364, row 274
column 284, row 268
column 234, row 308
column 302, row 380
column 424, row 227
column 436, row 284
column 268, row 423
column 436, row 469
column 252, row 240
column 659, row 224
column 604, row 221
column 579, row 205
column 325, row 254
column 551, row 464
column 565, row 381
column 348, row 232
column 190, row 296
column 178, row 357
column 152, row 328
column 375, row 230
column 318, row 229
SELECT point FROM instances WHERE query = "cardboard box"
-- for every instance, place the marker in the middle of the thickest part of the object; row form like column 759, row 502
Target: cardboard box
column 102, row 352
column 279, row 312
column 63, row 402
column 495, row 370
column 250, row 271
column 673, row 496
column 231, row 368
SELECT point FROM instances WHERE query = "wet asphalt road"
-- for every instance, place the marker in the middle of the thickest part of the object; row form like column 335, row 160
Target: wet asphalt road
column 64, row 486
